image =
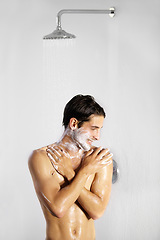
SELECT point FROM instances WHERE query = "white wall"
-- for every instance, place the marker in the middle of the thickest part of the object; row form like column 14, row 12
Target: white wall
column 117, row 61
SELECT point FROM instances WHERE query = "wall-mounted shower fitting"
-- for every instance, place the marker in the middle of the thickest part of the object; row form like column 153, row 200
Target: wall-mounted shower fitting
column 59, row 33
column 115, row 175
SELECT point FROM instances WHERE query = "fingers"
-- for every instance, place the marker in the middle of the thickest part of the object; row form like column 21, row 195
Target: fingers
column 60, row 151
column 94, row 152
column 57, row 152
column 89, row 152
column 53, row 158
column 60, row 161
column 70, row 175
column 99, row 152
column 54, row 152
column 102, row 153
column 106, row 163
column 107, row 160
column 54, row 163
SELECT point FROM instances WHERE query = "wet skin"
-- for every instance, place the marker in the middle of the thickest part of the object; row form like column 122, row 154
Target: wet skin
column 72, row 199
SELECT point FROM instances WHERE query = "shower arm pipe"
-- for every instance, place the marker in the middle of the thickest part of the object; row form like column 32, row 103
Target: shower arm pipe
column 110, row 11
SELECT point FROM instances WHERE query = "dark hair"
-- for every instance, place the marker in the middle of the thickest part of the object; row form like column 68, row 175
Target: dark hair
column 81, row 107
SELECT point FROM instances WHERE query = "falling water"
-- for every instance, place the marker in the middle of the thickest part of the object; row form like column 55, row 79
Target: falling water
column 59, row 76
column 58, row 65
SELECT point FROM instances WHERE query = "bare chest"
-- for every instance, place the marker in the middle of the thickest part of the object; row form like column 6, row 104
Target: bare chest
column 63, row 182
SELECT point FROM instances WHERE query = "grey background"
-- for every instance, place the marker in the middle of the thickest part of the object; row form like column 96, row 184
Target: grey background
column 117, row 61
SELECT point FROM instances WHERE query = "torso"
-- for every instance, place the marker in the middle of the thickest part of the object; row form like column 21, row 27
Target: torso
column 75, row 225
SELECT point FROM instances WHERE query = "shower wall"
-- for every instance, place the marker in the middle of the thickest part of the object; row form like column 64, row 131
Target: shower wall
column 118, row 62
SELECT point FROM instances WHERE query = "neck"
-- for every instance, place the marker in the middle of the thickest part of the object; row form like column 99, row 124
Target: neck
column 70, row 145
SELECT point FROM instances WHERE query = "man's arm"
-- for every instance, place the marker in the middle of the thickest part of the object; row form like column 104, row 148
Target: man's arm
column 95, row 200
column 58, row 200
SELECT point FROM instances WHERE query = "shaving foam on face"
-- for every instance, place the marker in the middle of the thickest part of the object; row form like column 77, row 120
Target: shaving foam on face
column 78, row 140
column 80, row 136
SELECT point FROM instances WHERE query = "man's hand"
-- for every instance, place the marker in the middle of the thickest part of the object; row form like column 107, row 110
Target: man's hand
column 96, row 159
column 61, row 161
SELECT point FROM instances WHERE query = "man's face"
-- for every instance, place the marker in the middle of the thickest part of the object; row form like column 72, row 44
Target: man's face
column 88, row 132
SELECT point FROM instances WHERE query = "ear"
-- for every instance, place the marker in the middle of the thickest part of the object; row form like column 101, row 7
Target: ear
column 73, row 123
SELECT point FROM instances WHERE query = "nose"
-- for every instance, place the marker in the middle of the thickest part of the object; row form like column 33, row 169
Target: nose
column 97, row 135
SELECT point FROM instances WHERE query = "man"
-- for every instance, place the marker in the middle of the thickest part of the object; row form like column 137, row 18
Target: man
column 72, row 178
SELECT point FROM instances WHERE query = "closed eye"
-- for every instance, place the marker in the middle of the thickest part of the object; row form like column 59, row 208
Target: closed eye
column 95, row 127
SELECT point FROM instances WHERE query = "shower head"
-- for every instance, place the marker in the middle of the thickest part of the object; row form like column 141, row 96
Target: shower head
column 59, row 33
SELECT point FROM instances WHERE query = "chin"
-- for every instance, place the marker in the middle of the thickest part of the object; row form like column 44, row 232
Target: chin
column 85, row 147
column 81, row 138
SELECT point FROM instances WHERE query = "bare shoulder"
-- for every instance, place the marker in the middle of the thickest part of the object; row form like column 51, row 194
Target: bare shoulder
column 37, row 155
column 42, row 172
column 106, row 170
column 39, row 162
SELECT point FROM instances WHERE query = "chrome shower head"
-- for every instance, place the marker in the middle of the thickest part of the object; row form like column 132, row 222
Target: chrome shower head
column 59, row 33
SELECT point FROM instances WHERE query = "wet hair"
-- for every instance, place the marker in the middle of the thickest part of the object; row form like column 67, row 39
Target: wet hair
column 81, row 107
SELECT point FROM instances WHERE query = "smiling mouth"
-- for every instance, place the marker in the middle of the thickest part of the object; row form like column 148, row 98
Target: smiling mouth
column 90, row 141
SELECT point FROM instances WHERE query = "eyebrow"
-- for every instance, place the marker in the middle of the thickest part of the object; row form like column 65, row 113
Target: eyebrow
column 96, row 127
